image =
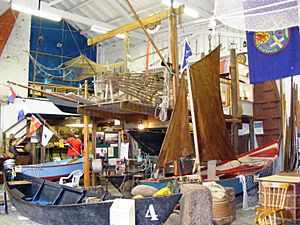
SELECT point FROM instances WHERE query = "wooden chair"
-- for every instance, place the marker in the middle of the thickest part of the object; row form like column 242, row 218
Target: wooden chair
column 274, row 195
column 267, row 217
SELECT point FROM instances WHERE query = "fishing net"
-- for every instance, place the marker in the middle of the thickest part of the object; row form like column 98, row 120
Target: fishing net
column 82, row 67
column 254, row 15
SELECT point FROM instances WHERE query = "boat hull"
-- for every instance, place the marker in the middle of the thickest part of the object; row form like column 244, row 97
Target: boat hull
column 53, row 170
column 83, row 213
column 269, row 150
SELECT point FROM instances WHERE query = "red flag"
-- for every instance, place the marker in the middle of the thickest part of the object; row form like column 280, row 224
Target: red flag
column 11, row 96
column 34, row 125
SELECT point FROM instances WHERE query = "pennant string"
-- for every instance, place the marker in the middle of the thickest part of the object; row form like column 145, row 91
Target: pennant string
column 55, row 133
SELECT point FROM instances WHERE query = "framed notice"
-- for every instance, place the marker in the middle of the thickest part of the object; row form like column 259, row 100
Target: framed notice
column 258, row 127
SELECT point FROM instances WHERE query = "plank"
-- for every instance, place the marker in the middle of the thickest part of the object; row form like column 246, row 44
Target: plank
column 19, row 182
column 280, row 178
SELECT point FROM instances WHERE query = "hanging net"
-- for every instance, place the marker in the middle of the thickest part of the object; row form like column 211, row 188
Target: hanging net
column 83, row 67
column 258, row 15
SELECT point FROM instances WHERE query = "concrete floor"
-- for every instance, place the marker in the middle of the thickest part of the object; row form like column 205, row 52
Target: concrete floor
column 243, row 217
column 14, row 218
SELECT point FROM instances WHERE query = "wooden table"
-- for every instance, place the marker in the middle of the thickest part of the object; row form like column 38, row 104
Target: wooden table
column 292, row 203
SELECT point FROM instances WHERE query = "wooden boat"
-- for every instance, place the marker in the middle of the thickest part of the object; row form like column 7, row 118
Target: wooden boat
column 50, row 203
column 53, row 170
column 257, row 162
column 210, row 134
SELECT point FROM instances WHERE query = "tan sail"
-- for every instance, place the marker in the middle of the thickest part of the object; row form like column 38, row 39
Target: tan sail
column 210, row 120
column 178, row 141
column 210, row 123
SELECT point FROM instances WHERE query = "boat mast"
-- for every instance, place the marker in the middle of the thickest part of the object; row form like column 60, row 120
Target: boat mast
column 196, row 143
column 174, row 52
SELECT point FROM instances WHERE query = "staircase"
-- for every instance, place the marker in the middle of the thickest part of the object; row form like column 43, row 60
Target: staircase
column 18, row 131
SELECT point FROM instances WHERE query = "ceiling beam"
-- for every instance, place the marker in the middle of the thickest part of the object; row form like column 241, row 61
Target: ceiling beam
column 81, row 5
column 132, row 26
column 54, row 2
column 116, row 5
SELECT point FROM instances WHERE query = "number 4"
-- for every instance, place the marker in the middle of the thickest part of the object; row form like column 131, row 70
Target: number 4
column 151, row 213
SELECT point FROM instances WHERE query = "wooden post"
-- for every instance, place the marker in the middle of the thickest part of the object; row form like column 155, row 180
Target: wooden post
column 43, row 154
column 252, row 134
column 197, row 153
column 126, row 51
column 86, row 141
column 173, row 37
column 94, row 129
column 33, row 153
column 283, row 121
column 234, row 98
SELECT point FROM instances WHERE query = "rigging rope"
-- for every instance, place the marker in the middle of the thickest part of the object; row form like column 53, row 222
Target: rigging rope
column 164, row 105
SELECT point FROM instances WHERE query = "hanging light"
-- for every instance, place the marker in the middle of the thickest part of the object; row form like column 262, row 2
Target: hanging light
column 141, row 126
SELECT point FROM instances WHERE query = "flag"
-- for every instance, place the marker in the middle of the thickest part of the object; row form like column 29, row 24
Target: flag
column 34, row 125
column 21, row 115
column 11, row 95
column 186, row 54
column 46, row 135
column 273, row 54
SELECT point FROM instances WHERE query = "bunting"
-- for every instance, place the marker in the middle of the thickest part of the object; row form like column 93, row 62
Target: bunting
column 46, row 135
column 34, row 125
column 11, row 95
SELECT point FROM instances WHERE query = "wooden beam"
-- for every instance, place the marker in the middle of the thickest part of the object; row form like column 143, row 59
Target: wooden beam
column 87, row 178
column 44, row 92
column 137, row 108
column 135, row 25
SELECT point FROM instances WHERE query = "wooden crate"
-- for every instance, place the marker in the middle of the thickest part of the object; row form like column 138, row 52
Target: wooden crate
column 292, row 202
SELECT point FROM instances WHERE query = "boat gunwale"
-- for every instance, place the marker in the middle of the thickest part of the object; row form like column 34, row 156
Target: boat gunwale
column 58, row 165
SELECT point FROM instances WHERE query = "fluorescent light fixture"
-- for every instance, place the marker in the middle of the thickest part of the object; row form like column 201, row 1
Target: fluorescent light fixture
column 122, row 36
column 98, row 29
column 78, row 125
column 35, row 12
column 187, row 10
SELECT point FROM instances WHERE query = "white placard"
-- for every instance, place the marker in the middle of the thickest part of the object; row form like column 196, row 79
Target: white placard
column 122, row 212
column 110, row 152
column 124, row 150
column 112, row 162
column 244, row 130
column 101, row 151
column 258, row 127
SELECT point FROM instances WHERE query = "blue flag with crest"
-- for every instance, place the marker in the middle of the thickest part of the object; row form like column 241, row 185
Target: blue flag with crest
column 273, row 54
column 186, row 54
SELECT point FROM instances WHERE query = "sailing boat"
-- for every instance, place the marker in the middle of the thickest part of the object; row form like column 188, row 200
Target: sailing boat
column 212, row 135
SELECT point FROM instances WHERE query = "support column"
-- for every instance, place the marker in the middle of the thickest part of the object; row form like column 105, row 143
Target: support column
column 86, row 141
column 234, row 98
column 251, row 129
column 94, row 129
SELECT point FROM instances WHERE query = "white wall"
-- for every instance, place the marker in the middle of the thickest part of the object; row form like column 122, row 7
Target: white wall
column 14, row 64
